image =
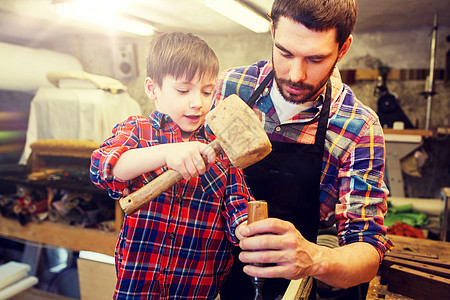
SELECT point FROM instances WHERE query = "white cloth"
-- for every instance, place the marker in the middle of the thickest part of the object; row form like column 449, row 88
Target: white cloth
column 79, row 114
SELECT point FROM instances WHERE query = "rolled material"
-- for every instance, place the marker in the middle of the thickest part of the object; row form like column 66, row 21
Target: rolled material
column 25, row 69
column 433, row 207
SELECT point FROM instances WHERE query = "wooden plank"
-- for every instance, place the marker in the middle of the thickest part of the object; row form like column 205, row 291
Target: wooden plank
column 442, row 249
column 418, row 285
column 298, row 289
column 36, row 294
column 70, row 237
column 97, row 279
column 389, row 261
column 366, row 74
column 431, row 261
column 418, row 254
column 420, row 132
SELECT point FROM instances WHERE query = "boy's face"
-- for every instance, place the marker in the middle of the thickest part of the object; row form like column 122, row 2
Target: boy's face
column 186, row 102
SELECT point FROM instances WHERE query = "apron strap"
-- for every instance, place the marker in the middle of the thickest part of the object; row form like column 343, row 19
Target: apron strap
column 255, row 95
column 324, row 114
column 323, row 119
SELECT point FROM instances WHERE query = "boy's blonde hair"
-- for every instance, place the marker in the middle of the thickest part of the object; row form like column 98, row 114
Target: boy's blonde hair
column 181, row 55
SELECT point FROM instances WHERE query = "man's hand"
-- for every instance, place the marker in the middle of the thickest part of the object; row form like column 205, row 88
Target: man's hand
column 273, row 241
column 238, row 230
column 187, row 158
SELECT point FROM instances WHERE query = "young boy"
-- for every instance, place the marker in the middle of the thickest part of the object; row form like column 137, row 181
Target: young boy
column 179, row 245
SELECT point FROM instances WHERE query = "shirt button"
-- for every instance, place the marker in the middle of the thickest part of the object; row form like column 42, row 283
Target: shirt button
column 219, row 163
column 166, row 118
column 278, row 128
column 179, row 200
column 171, row 236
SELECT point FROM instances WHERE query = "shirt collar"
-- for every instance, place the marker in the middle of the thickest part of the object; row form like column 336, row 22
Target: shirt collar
column 164, row 122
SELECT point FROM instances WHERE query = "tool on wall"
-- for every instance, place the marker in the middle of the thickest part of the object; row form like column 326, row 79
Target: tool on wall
column 429, row 93
column 389, row 110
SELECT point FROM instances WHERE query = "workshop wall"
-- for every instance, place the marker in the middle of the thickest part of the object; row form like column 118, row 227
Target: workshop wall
column 402, row 49
column 398, row 50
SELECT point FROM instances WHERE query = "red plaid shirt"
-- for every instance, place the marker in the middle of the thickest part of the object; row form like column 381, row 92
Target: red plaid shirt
column 179, row 245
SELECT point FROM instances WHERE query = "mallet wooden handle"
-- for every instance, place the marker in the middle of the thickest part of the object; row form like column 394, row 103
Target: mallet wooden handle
column 135, row 201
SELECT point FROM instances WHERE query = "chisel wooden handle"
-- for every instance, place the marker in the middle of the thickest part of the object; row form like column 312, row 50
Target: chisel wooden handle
column 135, row 201
column 257, row 210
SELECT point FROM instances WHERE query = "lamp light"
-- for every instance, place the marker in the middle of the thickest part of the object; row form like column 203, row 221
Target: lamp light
column 240, row 14
column 100, row 12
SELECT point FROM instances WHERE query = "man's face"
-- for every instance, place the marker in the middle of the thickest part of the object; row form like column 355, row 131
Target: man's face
column 303, row 59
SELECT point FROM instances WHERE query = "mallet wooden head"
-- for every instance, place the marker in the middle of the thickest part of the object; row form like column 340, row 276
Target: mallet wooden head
column 239, row 132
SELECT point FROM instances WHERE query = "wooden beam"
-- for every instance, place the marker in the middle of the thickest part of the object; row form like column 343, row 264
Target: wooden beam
column 418, row 285
column 389, row 261
column 425, row 260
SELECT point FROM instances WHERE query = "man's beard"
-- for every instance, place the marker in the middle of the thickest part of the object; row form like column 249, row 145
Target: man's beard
column 311, row 92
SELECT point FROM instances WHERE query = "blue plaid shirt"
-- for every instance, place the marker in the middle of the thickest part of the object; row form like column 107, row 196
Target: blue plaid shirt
column 352, row 191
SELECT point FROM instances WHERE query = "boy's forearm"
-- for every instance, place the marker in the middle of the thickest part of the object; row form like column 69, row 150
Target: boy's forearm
column 136, row 162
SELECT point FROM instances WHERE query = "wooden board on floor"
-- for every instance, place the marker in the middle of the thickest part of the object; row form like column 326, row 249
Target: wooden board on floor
column 36, row 294
column 97, row 279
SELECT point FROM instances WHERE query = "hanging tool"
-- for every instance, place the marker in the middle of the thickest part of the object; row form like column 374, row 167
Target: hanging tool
column 429, row 86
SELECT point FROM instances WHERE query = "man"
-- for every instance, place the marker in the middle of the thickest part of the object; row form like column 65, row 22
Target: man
column 327, row 161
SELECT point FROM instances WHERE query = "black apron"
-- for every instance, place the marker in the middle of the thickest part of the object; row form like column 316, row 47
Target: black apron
column 289, row 180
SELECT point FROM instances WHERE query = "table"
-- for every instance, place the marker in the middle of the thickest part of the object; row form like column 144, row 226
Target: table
column 442, row 249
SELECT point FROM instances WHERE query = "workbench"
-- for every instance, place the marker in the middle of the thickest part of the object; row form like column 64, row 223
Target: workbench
column 377, row 291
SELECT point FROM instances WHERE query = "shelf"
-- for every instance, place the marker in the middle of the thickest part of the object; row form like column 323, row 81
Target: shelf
column 60, row 235
column 63, row 184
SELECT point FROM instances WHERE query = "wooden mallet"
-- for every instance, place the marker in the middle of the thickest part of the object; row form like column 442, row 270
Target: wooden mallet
column 239, row 133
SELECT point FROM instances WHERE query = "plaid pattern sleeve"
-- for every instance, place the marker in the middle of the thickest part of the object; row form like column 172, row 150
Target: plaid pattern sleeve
column 179, row 245
column 135, row 132
column 353, row 194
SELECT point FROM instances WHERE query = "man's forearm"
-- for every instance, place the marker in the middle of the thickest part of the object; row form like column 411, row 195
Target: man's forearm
column 348, row 265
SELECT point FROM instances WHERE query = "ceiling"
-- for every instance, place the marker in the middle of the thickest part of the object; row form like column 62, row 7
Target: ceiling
column 26, row 18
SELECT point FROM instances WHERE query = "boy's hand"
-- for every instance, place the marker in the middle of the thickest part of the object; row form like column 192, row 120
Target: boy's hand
column 186, row 158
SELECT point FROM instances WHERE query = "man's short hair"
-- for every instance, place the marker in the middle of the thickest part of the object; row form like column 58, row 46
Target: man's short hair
column 319, row 15
column 181, row 55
